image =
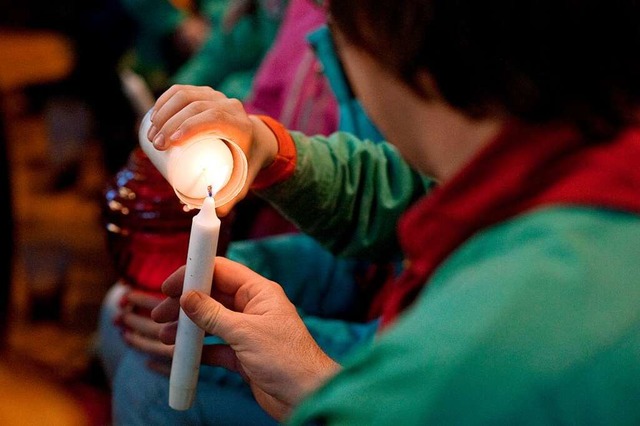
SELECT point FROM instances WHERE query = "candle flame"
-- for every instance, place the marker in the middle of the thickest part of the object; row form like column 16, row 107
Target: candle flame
column 210, row 190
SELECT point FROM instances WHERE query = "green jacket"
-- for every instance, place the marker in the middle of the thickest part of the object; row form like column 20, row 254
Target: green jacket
column 350, row 206
column 516, row 326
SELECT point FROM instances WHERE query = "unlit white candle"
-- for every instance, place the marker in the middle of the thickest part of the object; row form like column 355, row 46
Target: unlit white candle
column 203, row 243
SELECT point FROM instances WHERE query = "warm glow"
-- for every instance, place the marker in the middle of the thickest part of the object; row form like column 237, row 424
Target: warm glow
column 204, row 162
column 194, row 164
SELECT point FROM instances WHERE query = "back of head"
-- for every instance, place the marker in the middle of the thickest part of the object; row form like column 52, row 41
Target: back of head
column 536, row 60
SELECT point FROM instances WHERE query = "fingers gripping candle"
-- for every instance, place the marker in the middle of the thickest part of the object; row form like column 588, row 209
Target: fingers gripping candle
column 185, row 365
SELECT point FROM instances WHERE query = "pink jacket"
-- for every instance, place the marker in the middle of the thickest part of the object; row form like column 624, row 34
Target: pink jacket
column 289, row 85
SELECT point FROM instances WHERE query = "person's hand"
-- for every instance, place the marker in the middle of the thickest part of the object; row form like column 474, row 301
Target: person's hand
column 268, row 344
column 183, row 111
column 141, row 332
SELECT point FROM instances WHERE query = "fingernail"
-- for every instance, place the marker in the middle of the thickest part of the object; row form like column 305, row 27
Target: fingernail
column 153, row 130
column 153, row 114
column 158, row 142
column 190, row 301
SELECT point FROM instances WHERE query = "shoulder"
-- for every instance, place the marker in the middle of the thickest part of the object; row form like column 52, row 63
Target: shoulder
column 534, row 308
column 528, row 320
column 560, row 242
column 548, row 265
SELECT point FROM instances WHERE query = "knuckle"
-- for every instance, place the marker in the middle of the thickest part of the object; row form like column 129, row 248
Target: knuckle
column 210, row 317
column 235, row 104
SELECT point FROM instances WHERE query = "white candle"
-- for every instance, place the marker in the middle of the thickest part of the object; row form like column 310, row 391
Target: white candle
column 203, row 243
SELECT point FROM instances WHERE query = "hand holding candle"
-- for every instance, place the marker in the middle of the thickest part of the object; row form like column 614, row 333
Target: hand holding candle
column 196, row 162
column 198, row 168
column 203, row 243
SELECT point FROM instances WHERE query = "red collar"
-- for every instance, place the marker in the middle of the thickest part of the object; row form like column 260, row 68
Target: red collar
column 521, row 169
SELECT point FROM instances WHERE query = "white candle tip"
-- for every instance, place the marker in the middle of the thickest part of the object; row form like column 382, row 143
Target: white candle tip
column 181, row 398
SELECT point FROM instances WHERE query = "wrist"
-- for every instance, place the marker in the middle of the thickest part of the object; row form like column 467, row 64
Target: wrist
column 277, row 152
column 317, row 374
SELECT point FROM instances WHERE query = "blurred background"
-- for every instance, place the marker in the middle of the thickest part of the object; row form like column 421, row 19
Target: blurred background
column 83, row 209
column 66, row 126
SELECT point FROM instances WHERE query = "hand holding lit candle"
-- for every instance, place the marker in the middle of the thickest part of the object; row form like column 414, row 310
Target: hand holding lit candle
column 203, row 243
column 193, row 164
column 199, row 168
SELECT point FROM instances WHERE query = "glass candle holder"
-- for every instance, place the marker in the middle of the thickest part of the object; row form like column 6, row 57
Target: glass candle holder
column 147, row 227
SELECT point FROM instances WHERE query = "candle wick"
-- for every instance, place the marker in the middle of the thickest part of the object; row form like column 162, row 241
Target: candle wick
column 210, row 190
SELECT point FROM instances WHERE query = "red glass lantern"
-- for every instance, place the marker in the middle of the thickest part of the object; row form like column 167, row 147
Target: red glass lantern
column 147, row 227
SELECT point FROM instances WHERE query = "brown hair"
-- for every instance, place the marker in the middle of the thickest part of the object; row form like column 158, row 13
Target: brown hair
column 538, row 60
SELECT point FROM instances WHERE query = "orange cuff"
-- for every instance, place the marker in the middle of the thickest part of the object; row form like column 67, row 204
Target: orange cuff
column 285, row 162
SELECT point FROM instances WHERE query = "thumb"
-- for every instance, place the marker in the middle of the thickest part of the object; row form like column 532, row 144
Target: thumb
column 209, row 314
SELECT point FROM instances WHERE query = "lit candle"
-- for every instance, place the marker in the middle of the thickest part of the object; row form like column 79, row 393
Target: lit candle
column 198, row 168
column 203, row 243
column 204, row 160
column 191, row 165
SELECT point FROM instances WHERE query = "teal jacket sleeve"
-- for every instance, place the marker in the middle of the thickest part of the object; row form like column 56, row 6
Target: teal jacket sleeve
column 348, row 193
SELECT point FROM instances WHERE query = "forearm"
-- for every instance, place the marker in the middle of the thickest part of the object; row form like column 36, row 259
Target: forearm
column 347, row 193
